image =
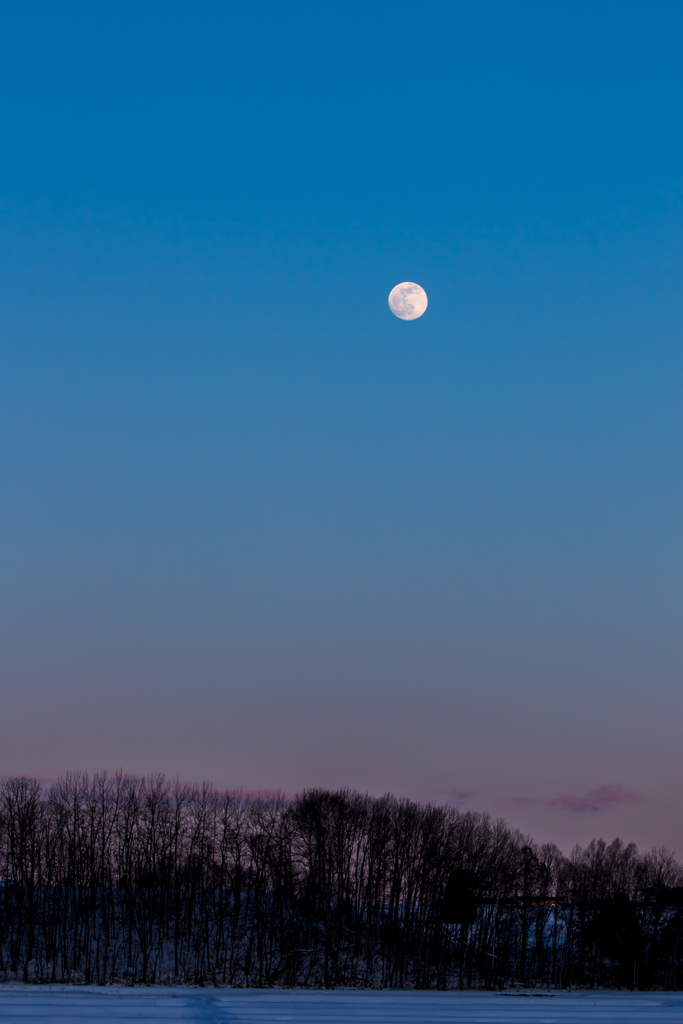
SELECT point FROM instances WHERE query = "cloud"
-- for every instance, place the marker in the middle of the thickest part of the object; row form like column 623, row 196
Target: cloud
column 461, row 794
column 610, row 794
column 607, row 795
column 456, row 797
column 573, row 803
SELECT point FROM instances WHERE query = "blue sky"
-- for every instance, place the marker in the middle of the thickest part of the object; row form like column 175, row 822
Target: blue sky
column 255, row 529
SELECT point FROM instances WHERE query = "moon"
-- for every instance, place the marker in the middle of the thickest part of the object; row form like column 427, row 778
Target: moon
column 407, row 301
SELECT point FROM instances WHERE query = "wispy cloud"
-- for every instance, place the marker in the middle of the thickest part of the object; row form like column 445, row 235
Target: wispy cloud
column 610, row 794
column 607, row 795
column 461, row 794
column 456, row 797
column 565, row 802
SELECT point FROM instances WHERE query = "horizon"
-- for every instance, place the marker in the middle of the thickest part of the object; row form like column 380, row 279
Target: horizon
column 593, row 803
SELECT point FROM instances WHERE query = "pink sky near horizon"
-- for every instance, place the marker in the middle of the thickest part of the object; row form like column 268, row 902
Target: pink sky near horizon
column 605, row 812
column 428, row 720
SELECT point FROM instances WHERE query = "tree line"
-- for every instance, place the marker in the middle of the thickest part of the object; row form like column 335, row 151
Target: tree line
column 148, row 881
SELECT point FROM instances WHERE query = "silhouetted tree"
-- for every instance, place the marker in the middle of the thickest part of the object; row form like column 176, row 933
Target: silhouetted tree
column 142, row 880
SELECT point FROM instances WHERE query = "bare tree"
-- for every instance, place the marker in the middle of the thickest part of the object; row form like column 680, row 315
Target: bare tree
column 144, row 880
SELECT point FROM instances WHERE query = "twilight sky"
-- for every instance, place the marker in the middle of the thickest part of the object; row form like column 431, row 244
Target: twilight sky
column 255, row 529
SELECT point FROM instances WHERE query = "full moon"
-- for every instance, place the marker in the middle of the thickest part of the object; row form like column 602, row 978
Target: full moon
column 407, row 301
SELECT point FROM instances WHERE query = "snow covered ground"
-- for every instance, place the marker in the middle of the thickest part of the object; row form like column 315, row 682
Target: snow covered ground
column 61, row 1005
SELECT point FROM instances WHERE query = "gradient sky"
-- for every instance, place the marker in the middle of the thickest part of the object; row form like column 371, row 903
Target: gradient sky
column 253, row 528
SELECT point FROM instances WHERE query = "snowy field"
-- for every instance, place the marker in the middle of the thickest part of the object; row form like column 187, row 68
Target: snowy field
column 24, row 1004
